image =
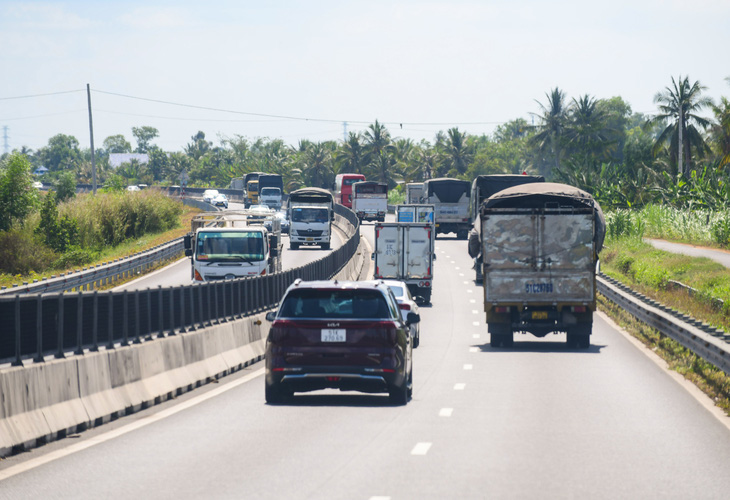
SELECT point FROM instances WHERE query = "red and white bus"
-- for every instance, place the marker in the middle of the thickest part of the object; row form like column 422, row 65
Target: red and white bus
column 343, row 188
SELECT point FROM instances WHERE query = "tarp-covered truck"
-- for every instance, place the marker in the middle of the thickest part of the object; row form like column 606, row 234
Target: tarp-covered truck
column 235, row 244
column 540, row 245
column 482, row 188
column 404, row 252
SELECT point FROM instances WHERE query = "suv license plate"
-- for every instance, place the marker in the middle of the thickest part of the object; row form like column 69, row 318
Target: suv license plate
column 333, row 335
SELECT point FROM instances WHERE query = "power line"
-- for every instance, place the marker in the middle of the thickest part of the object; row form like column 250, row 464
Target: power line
column 288, row 117
column 40, row 95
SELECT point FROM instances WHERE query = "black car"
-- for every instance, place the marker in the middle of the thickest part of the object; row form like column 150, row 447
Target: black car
column 345, row 335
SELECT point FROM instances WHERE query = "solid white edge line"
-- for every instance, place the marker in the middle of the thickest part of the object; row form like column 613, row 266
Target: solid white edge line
column 150, row 419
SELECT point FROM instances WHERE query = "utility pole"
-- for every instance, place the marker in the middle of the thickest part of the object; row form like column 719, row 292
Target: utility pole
column 91, row 134
column 344, row 131
column 6, row 148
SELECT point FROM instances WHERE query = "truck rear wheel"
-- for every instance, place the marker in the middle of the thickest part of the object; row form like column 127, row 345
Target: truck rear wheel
column 325, row 246
column 579, row 336
column 500, row 335
column 293, row 246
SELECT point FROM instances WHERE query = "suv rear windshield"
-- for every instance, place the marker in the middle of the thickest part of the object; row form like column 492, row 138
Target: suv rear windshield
column 335, row 304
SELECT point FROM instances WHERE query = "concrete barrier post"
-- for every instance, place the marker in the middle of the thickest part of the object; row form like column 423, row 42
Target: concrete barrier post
column 59, row 350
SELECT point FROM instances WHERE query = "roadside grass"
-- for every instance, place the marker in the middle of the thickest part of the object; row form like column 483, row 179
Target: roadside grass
column 109, row 254
column 650, row 271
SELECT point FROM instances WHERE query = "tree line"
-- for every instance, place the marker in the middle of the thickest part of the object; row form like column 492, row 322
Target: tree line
column 625, row 159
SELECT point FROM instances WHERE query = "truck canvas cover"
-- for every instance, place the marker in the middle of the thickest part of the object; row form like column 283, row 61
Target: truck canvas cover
column 311, row 195
column 539, row 244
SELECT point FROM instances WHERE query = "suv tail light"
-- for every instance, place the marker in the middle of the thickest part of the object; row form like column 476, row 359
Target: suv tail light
column 404, row 307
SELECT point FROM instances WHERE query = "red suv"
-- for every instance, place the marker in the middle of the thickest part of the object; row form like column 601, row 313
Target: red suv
column 346, row 335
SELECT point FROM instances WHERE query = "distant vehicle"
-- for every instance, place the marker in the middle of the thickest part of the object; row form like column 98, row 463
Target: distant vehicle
column 370, row 200
column 220, row 201
column 227, row 245
column 281, row 215
column 270, row 196
column 406, row 304
column 251, row 191
column 265, row 195
column 342, row 188
column 311, row 212
column 414, row 193
column 38, row 185
column 133, row 188
column 450, row 198
column 259, row 214
column 346, row 335
column 209, row 194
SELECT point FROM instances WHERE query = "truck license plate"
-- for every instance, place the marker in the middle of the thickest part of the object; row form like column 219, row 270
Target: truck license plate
column 333, row 335
column 310, row 239
column 539, row 315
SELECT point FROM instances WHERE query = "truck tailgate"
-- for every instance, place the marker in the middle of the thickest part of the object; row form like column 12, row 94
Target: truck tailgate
column 417, row 251
column 538, row 258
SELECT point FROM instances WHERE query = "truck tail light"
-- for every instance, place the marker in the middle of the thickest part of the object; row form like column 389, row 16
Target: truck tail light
column 578, row 309
column 424, row 284
column 501, row 309
column 263, row 272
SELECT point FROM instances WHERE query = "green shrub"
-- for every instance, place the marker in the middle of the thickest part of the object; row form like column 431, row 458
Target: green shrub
column 20, row 252
column 74, row 256
column 720, row 229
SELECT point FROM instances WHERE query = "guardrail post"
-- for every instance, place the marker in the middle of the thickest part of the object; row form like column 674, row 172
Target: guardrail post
column 201, row 316
column 149, row 314
column 18, row 361
column 59, row 353
column 191, row 296
column 110, row 323
column 39, row 325
column 79, row 323
column 207, row 296
column 182, row 310
column 160, row 317
column 95, row 325
column 239, row 286
column 172, row 312
column 125, row 318
column 217, row 315
column 137, row 337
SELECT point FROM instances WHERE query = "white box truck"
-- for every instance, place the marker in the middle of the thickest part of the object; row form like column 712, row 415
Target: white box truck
column 404, row 252
column 414, row 193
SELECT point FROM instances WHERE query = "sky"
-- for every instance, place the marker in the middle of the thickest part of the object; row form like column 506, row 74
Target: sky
column 313, row 70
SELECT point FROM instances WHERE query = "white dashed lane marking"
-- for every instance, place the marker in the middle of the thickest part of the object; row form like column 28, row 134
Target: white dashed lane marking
column 477, row 335
column 459, row 387
column 446, row 412
column 473, row 349
column 468, row 367
column 475, row 323
column 421, row 449
column 475, row 311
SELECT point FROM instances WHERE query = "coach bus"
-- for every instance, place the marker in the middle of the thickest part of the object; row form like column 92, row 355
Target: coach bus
column 342, row 188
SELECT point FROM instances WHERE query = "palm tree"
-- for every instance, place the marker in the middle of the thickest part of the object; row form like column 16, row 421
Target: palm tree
column 457, row 153
column 317, row 165
column 548, row 138
column 350, row 156
column 377, row 140
column 586, row 133
column 678, row 107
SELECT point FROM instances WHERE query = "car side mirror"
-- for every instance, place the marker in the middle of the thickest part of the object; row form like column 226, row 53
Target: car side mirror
column 188, row 242
column 419, row 300
column 270, row 316
column 413, row 318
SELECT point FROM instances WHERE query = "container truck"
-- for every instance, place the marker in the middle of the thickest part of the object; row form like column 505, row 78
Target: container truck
column 482, row 188
column 310, row 213
column 540, row 245
column 450, row 198
column 233, row 245
column 404, row 252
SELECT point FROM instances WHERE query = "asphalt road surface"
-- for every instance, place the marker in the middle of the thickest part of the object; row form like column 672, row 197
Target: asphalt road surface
column 534, row 421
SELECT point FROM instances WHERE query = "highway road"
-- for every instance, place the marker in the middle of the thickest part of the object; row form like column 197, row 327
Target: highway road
column 534, row 421
column 179, row 272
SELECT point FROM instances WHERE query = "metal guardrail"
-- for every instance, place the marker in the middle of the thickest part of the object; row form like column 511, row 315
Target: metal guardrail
column 707, row 342
column 36, row 325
